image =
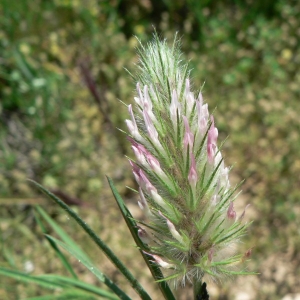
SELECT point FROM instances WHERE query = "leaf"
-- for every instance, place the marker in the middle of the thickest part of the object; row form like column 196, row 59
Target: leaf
column 52, row 244
column 65, row 296
column 109, row 253
column 58, row 282
column 91, row 268
column 154, row 269
column 27, row 278
column 60, row 232
column 75, row 283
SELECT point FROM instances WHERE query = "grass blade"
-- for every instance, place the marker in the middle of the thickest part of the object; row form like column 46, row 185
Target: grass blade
column 108, row 252
column 65, row 296
column 60, row 232
column 154, row 269
column 31, row 279
column 58, row 282
column 60, row 255
column 75, row 283
column 92, row 268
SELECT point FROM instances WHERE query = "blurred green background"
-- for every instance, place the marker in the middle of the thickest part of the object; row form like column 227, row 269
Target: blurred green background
column 61, row 78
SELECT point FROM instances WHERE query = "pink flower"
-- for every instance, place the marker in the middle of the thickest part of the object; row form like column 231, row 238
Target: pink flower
column 143, row 235
column 193, row 176
column 132, row 126
column 188, row 136
column 145, row 183
column 212, row 141
column 231, row 214
column 174, row 108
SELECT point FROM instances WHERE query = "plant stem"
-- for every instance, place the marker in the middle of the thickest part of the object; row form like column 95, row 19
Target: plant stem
column 154, row 269
column 200, row 292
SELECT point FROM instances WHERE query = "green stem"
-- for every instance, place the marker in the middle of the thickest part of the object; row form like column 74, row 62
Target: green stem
column 200, row 292
column 154, row 269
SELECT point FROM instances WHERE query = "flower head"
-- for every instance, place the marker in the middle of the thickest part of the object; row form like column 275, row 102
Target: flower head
column 183, row 182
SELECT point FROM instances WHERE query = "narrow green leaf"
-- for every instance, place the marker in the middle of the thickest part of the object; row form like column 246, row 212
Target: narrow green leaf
column 154, row 269
column 113, row 258
column 60, row 232
column 74, row 295
column 49, row 297
column 238, row 272
column 75, row 283
column 60, row 255
column 91, row 268
column 31, row 279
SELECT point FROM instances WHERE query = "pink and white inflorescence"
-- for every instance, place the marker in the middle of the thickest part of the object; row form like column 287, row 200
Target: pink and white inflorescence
column 192, row 228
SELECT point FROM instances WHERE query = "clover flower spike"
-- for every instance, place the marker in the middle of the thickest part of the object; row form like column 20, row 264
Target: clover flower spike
column 183, row 182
